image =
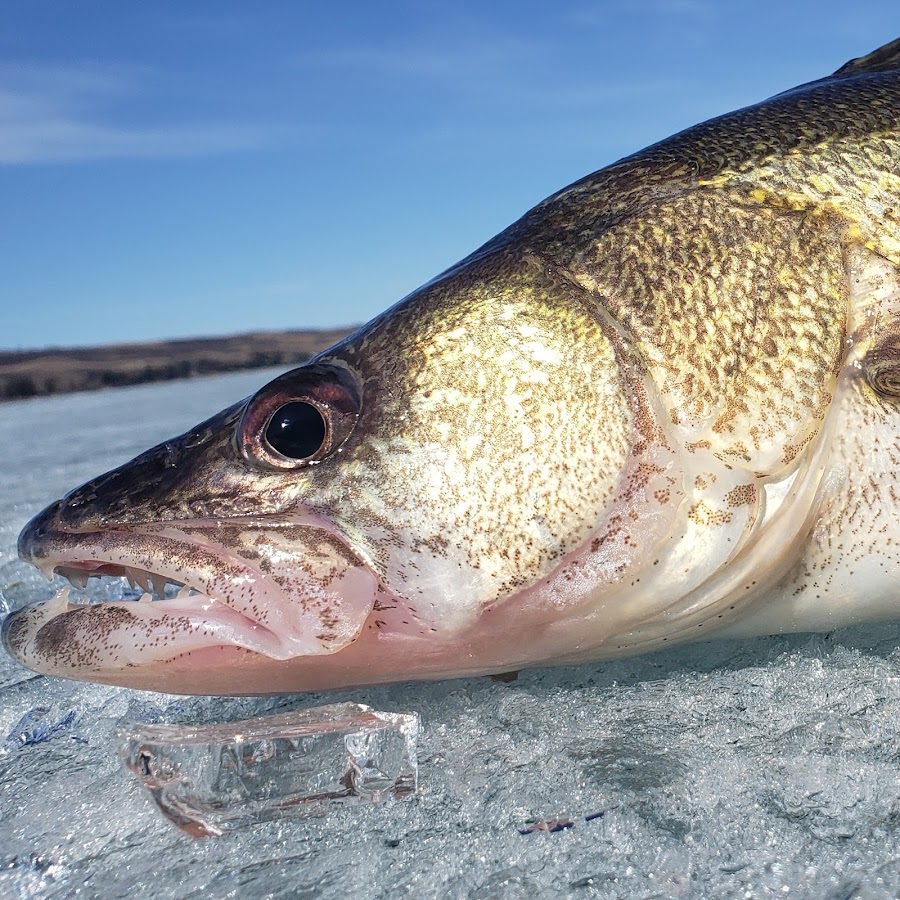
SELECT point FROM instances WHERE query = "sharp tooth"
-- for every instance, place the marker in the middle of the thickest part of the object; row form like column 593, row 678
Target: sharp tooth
column 145, row 598
column 143, row 579
column 183, row 593
column 59, row 602
column 79, row 579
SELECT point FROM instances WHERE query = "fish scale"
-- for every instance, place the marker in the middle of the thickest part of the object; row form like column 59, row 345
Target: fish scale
column 705, row 329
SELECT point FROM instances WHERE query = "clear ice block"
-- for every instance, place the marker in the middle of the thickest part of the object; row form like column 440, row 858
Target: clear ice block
column 215, row 778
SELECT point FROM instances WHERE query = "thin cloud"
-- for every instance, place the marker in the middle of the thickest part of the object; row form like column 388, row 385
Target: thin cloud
column 284, row 288
column 608, row 94
column 468, row 60
column 69, row 114
column 601, row 15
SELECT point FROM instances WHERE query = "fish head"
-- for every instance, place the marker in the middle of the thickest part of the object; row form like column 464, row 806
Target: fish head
column 383, row 512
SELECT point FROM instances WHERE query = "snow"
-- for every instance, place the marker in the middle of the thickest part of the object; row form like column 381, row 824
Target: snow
column 764, row 768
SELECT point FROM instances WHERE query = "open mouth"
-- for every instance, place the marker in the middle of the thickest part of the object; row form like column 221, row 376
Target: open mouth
column 93, row 583
column 143, row 586
column 281, row 590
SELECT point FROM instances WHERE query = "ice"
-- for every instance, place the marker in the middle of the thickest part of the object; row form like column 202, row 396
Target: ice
column 766, row 768
column 211, row 779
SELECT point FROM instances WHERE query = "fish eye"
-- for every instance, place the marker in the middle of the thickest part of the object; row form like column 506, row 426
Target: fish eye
column 300, row 418
column 297, row 430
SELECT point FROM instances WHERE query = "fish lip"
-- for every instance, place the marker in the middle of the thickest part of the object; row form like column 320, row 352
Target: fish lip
column 48, row 524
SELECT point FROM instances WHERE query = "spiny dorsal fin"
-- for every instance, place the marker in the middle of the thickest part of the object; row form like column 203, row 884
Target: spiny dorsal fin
column 884, row 59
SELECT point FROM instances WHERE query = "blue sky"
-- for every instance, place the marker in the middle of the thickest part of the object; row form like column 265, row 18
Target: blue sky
column 171, row 169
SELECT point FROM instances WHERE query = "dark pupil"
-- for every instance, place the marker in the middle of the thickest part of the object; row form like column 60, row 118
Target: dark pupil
column 297, row 430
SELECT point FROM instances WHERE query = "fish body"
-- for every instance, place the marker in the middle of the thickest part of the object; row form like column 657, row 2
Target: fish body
column 662, row 406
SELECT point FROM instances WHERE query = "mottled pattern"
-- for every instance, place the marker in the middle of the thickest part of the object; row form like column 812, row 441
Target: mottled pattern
column 801, row 127
column 721, row 251
column 855, row 183
column 744, row 344
column 496, row 424
column 847, row 564
column 856, row 540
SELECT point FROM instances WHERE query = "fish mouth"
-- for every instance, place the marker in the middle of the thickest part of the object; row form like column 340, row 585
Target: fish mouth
column 277, row 588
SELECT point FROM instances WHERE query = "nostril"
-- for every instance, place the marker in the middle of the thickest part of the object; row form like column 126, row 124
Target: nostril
column 90, row 492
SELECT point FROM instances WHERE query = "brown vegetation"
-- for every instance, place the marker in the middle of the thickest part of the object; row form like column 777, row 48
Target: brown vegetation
column 30, row 373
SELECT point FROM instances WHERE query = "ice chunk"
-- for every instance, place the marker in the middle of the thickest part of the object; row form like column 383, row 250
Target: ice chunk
column 215, row 778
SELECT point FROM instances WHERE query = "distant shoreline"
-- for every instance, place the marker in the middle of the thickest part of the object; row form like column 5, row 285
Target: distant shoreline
column 65, row 370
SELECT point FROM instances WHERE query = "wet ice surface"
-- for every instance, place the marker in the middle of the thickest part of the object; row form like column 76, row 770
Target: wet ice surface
column 766, row 768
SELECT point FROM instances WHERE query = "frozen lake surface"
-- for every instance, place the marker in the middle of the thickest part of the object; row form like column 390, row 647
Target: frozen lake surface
column 767, row 768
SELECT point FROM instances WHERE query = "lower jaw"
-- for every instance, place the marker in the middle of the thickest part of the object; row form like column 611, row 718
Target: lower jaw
column 375, row 657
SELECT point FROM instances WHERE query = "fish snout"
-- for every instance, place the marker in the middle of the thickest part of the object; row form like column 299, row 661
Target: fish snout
column 167, row 481
column 114, row 496
column 34, row 535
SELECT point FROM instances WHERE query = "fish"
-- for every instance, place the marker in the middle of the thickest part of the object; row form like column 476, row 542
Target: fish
column 662, row 406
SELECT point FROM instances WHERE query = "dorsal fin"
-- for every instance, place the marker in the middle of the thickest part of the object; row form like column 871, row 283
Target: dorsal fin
column 884, row 59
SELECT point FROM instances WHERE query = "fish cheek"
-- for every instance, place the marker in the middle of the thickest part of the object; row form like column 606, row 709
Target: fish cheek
column 505, row 435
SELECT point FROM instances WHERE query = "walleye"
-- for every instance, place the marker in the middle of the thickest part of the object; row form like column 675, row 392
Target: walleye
column 662, row 406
